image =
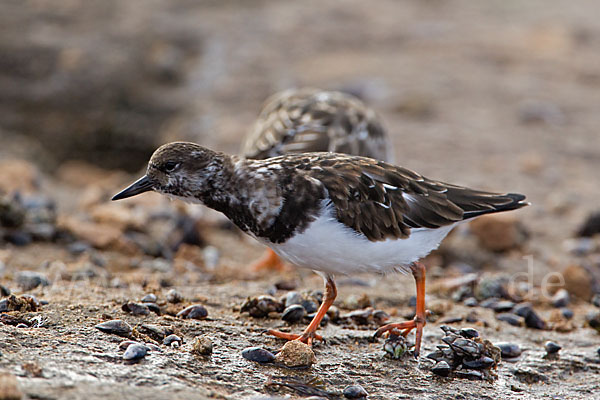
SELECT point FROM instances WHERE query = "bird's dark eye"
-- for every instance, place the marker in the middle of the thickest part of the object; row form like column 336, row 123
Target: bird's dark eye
column 169, row 166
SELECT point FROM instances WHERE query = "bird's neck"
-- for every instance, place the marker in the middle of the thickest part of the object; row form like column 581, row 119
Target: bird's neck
column 246, row 193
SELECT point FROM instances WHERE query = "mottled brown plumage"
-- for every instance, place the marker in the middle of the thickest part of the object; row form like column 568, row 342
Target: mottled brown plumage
column 381, row 200
column 311, row 120
column 329, row 212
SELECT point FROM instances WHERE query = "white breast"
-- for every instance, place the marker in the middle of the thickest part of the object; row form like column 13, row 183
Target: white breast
column 330, row 246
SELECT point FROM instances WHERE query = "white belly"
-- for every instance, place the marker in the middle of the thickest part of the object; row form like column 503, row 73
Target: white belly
column 330, row 246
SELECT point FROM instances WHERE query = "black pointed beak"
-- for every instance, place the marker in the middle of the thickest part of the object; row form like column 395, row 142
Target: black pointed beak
column 140, row 186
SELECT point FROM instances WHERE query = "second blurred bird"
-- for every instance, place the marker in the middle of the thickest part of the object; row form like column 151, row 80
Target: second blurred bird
column 308, row 120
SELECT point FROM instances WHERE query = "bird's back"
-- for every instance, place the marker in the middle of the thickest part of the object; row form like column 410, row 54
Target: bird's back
column 382, row 201
column 311, row 120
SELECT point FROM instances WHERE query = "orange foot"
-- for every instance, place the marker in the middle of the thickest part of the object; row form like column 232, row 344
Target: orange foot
column 310, row 333
column 270, row 261
column 306, row 338
column 404, row 328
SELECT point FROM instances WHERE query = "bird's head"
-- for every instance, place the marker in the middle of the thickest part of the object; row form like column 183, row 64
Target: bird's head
column 179, row 169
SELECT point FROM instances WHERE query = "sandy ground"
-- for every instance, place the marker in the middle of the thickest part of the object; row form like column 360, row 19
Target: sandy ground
column 499, row 95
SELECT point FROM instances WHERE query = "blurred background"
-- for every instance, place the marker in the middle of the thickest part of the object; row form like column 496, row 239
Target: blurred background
column 500, row 95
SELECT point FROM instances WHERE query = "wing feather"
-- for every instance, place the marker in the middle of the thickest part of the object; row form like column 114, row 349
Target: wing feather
column 384, row 201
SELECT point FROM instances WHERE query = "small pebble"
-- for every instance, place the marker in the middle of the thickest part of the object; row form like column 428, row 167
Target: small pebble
column 533, row 320
column 149, row 298
column 579, row 280
column 509, row 350
column 441, row 368
column 136, row 308
column 517, row 388
column 451, row 320
column 380, row 317
column 261, row 306
column 595, row 300
column 466, row 348
column 115, row 327
column 154, row 308
column 490, row 287
column 21, row 325
column 360, row 317
column 469, row 374
column 560, row 298
column 172, row 339
column 3, row 305
column 333, row 313
column 503, row 306
column 293, row 313
column 355, row 392
column 310, row 306
column 195, row 311
column 443, row 353
column 469, row 333
column 33, row 300
column 473, row 317
column 77, row 248
column 522, row 309
column 296, row 354
column 292, row 298
column 258, row 354
column 552, row 347
column 153, row 347
column 18, row 238
column 286, row 285
column 156, row 332
column 489, row 303
column 567, row 313
column 267, row 304
column 471, row 302
column 593, row 319
column 173, row 296
column 512, row 319
column 271, row 291
column 125, row 344
column 590, row 226
column 29, row 280
column 481, row 363
column 4, row 291
column 135, row 352
column 355, row 301
column 202, row 346
column 462, row 293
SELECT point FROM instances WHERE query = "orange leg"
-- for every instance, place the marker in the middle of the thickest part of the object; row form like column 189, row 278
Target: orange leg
column 309, row 334
column 404, row 328
column 269, row 261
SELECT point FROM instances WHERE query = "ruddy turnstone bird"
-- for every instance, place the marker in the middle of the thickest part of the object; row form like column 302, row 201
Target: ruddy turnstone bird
column 309, row 120
column 329, row 212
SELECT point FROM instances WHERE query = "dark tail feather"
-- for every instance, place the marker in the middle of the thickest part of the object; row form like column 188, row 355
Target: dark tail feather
column 513, row 202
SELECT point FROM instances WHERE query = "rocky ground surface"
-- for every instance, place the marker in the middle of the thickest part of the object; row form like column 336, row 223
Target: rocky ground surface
column 498, row 95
